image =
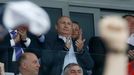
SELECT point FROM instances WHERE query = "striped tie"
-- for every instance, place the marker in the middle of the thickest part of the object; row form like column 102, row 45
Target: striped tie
column 17, row 47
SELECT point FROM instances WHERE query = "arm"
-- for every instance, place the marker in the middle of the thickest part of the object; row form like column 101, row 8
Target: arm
column 85, row 60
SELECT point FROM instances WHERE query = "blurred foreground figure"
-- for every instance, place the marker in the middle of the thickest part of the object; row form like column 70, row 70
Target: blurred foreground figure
column 73, row 69
column 115, row 32
column 2, row 71
column 17, row 13
column 24, row 30
column 28, row 64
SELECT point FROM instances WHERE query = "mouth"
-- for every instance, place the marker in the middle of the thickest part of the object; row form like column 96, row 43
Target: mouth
column 66, row 29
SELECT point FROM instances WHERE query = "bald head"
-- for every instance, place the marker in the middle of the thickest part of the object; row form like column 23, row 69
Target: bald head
column 28, row 64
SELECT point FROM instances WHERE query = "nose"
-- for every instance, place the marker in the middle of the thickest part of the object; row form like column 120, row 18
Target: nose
column 66, row 25
column 38, row 65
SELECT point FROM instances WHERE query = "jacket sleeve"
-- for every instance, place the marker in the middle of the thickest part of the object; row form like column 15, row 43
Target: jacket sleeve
column 84, row 59
column 46, row 62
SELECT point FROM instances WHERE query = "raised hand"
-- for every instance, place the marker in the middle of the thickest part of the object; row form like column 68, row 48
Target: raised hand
column 17, row 38
column 68, row 42
column 80, row 42
column 22, row 30
column 131, row 54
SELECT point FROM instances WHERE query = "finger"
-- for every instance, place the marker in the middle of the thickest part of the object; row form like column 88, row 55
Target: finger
column 130, row 53
column 84, row 40
column 68, row 40
column 80, row 34
column 79, row 43
column 19, row 32
column 76, row 44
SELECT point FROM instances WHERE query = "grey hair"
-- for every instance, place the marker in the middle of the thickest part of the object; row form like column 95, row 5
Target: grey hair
column 68, row 67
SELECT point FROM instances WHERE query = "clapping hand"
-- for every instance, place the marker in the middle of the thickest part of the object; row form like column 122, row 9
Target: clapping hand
column 80, row 42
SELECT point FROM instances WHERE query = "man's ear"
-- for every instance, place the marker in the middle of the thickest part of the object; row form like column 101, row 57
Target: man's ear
column 24, row 65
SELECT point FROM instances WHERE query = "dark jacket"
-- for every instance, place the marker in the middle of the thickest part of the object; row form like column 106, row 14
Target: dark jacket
column 6, row 51
column 53, row 57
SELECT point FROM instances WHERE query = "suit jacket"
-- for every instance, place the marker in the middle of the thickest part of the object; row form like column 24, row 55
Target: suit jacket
column 53, row 57
column 98, row 50
column 6, row 51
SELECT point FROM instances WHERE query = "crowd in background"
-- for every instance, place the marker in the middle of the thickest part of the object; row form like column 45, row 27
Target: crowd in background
column 63, row 53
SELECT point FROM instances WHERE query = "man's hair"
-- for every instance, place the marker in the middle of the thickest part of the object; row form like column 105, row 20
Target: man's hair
column 60, row 18
column 21, row 59
column 68, row 67
column 76, row 23
column 128, row 15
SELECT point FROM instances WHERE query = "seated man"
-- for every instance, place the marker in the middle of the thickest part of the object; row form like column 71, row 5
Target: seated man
column 73, row 69
column 77, row 35
column 28, row 64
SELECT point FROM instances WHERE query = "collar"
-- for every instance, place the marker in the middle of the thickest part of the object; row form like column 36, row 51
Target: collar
column 64, row 38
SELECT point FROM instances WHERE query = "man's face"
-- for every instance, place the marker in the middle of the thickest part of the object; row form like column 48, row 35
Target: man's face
column 75, row 70
column 76, row 31
column 130, row 20
column 32, row 64
column 64, row 26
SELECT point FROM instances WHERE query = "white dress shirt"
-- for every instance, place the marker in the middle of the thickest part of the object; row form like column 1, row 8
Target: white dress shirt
column 12, row 43
column 70, row 55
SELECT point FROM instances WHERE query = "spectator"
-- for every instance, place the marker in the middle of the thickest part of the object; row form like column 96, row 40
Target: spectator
column 130, row 41
column 73, row 69
column 15, row 43
column 98, row 50
column 64, row 50
column 76, row 30
column 28, row 64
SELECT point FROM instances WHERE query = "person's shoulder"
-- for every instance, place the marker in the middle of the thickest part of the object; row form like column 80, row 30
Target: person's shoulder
column 51, row 36
column 95, row 38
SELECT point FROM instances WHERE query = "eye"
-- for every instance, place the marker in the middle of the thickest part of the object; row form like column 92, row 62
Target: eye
column 69, row 23
column 79, row 71
column 72, row 71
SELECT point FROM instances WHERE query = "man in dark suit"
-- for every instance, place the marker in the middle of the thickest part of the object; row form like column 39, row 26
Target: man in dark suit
column 63, row 50
column 25, row 39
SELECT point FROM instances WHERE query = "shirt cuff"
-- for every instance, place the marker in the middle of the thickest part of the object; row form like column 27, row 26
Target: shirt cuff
column 28, row 41
column 41, row 38
column 12, row 42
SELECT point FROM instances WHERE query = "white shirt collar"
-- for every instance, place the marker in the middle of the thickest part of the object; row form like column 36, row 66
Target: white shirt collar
column 63, row 38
